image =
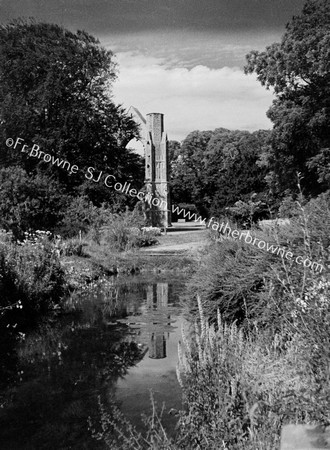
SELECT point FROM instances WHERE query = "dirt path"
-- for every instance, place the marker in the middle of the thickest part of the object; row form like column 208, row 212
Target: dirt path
column 180, row 239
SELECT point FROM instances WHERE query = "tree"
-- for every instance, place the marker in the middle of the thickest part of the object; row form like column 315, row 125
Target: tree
column 174, row 148
column 29, row 202
column 215, row 169
column 232, row 170
column 55, row 91
column 188, row 181
column 298, row 69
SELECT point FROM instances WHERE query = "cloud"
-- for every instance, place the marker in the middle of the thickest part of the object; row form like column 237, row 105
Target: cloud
column 184, row 48
column 197, row 98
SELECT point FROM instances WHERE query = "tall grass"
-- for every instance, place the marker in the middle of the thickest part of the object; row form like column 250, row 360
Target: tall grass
column 239, row 390
column 259, row 288
column 118, row 433
column 259, row 354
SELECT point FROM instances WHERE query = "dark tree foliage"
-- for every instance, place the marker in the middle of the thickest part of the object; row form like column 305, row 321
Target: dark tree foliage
column 174, row 148
column 188, row 176
column 29, row 202
column 232, row 168
column 55, row 91
column 298, row 69
column 214, row 169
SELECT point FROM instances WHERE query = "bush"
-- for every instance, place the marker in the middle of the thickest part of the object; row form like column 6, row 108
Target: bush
column 72, row 247
column 230, row 279
column 125, row 232
column 147, row 236
column 248, row 212
column 79, row 215
column 6, row 237
column 31, row 277
column 29, row 202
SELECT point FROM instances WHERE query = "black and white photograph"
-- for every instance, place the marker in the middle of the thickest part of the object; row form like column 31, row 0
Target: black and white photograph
column 164, row 224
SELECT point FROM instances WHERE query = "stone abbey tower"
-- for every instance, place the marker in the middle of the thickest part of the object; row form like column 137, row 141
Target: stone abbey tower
column 155, row 143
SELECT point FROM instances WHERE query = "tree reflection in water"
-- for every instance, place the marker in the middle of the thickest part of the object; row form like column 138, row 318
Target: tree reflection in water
column 61, row 370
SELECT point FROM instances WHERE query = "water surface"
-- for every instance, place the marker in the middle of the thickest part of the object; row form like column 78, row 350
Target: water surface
column 120, row 343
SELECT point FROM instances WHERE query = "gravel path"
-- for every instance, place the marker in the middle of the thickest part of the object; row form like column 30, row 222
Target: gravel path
column 179, row 240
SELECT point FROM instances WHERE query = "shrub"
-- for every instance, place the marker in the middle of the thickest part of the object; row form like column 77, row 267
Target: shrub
column 230, row 279
column 147, row 236
column 285, row 310
column 72, row 247
column 249, row 284
column 79, row 215
column 29, row 202
column 31, row 275
column 156, row 231
column 289, row 208
column 248, row 212
column 6, row 237
column 125, row 232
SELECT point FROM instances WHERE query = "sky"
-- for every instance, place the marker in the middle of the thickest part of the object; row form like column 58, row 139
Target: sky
column 183, row 58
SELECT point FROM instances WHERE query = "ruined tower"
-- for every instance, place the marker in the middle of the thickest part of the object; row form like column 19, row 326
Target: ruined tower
column 157, row 171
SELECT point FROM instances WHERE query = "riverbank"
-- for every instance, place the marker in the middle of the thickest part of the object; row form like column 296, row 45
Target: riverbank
column 179, row 250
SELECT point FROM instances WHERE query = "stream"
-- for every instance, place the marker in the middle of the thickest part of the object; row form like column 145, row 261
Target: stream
column 119, row 345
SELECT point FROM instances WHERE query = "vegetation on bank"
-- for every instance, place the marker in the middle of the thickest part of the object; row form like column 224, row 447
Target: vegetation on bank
column 259, row 355
column 258, row 358
column 32, row 283
column 243, row 281
column 38, row 272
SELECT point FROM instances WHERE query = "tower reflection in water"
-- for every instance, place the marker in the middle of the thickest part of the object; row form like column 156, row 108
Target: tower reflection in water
column 157, row 300
column 152, row 323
